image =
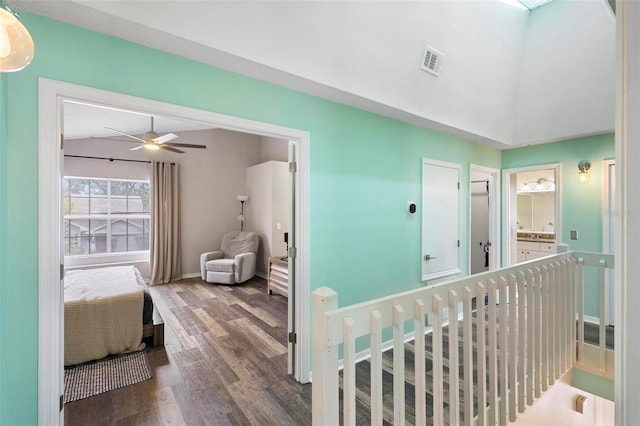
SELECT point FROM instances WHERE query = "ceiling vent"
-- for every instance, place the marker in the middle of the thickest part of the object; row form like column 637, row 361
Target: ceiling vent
column 432, row 61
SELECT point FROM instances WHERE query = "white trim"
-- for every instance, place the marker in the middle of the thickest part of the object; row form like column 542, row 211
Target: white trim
column 51, row 96
column 508, row 232
column 191, row 275
column 591, row 319
column 494, row 214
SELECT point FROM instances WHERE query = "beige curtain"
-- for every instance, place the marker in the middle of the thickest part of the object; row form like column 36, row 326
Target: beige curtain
column 165, row 223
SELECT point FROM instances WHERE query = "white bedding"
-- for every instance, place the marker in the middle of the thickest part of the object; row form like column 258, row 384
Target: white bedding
column 102, row 313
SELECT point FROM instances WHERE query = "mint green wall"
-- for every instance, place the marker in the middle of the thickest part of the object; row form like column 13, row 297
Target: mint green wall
column 593, row 384
column 364, row 170
column 581, row 203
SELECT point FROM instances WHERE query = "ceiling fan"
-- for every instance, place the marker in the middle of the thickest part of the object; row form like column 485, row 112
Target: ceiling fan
column 153, row 141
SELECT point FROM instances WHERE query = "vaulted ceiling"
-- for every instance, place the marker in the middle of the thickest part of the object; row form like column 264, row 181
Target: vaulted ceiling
column 509, row 76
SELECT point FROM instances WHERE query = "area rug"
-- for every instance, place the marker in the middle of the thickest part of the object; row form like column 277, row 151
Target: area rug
column 101, row 376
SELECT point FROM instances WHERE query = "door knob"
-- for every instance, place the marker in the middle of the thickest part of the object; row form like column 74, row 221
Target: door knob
column 428, row 257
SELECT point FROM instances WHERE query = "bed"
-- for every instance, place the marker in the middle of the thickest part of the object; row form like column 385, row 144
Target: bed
column 107, row 311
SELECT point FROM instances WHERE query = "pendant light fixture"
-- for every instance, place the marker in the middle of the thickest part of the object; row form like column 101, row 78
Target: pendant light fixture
column 16, row 45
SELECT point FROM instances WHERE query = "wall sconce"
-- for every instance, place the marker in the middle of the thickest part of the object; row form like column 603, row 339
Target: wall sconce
column 242, row 199
column 16, row 44
column 583, row 171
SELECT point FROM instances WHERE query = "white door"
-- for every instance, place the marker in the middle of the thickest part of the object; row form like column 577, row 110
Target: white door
column 608, row 242
column 480, row 245
column 440, row 219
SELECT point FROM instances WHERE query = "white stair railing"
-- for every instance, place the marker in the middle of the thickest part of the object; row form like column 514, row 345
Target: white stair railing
column 524, row 341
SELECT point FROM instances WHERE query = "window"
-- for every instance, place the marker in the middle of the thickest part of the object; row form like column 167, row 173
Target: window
column 103, row 216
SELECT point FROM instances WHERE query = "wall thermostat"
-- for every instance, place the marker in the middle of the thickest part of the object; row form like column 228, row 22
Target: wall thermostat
column 412, row 207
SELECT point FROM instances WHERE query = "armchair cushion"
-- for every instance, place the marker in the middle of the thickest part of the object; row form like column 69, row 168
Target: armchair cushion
column 220, row 265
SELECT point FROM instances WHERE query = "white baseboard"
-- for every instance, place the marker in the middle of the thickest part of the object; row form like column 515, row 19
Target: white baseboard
column 262, row 275
column 192, row 275
column 592, row 320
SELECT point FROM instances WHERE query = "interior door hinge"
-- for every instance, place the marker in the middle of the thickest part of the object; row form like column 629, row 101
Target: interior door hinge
column 61, row 270
column 61, row 141
column 293, row 252
column 293, row 167
column 61, row 402
column 458, row 185
column 293, row 338
column 458, row 243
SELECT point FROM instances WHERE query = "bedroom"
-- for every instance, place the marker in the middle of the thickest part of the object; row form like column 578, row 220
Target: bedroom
column 207, row 176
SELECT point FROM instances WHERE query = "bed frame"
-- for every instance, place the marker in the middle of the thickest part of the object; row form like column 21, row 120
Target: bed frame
column 155, row 329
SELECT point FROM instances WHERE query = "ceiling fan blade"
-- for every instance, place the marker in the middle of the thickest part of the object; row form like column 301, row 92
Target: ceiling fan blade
column 165, row 138
column 135, row 148
column 125, row 134
column 113, row 139
column 186, row 145
column 168, row 148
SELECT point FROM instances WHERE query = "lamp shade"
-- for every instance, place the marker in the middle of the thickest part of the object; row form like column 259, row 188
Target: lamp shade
column 16, row 45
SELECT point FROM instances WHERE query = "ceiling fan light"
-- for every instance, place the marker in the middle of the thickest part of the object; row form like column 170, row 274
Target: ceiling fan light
column 151, row 146
column 149, row 136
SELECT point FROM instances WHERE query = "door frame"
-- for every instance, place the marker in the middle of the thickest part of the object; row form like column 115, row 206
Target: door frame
column 51, row 96
column 494, row 214
column 509, row 199
column 608, row 225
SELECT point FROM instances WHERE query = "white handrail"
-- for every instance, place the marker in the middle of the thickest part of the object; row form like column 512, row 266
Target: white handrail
column 527, row 345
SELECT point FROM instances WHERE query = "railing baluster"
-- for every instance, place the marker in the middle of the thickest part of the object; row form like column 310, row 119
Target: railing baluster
column 530, row 337
column 537, row 311
column 420, row 368
column 492, row 366
column 569, row 322
column 398, row 366
column 580, row 284
column 522, row 334
column 325, row 361
column 558, row 316
column 546, row 325
column 438, row 393
column 467, row 354
column 572, row 294
column 481, row 356
column 454, row 363
column 602, row 328
column 564, row 312
column 513, row 344
column 349, row 373
column 376, row 368
column 552, row 321
column 502, row 344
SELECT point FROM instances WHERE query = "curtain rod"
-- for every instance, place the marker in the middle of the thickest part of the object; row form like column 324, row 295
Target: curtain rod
column 110, row 159
column 480, row 181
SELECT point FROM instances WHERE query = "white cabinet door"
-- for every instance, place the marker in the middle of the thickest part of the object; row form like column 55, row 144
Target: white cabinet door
column 440, row 219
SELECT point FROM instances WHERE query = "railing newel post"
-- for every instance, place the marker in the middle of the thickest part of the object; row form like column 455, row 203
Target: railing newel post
column 324, row 391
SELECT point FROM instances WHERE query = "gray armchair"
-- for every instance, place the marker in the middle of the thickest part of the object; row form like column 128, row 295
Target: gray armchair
column 234, row 263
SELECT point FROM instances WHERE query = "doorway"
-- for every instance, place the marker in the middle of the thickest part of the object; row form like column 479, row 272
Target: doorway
column 52, row 95
column 532, row 210
column 484, row 244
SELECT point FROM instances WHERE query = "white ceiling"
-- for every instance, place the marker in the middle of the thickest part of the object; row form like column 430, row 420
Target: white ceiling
column 509, row 76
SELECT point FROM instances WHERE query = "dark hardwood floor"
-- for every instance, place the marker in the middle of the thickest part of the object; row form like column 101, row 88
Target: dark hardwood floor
column 224, row 362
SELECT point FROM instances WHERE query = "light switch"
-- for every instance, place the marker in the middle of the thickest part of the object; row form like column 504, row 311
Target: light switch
column 573, row 234
column 278, row 226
